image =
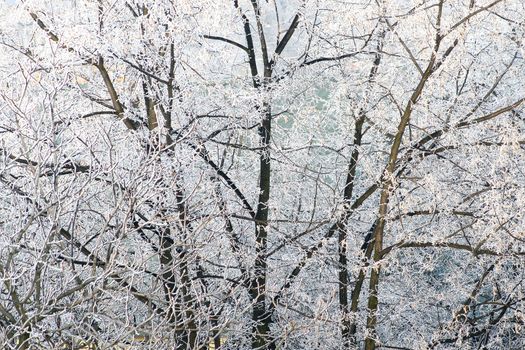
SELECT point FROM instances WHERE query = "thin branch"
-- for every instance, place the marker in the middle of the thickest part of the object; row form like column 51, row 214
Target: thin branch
column 229, row 41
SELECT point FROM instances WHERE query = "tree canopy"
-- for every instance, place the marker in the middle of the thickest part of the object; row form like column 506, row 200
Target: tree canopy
column 262, row 174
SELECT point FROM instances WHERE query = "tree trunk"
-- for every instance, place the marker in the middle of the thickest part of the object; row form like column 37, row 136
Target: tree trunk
column 260, row 315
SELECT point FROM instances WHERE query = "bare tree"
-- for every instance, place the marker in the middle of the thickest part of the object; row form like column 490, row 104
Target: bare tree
column 255, row 174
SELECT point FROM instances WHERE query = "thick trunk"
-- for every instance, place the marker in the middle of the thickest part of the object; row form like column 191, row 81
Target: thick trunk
column 348, row 324
column 387, row 184
column 260, row 316
column 342, row 239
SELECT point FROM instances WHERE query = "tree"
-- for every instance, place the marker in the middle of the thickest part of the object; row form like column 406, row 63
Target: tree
column 262, row 174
